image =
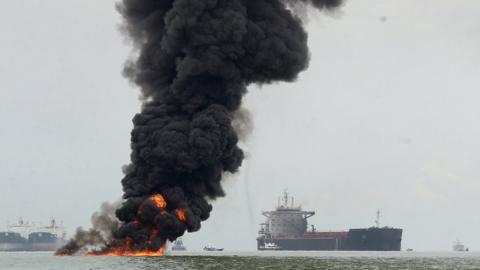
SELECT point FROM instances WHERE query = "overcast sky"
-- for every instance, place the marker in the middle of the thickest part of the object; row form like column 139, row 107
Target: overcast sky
column 387, row 117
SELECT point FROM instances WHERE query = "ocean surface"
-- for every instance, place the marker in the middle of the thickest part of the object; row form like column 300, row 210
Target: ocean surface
column 247, row 260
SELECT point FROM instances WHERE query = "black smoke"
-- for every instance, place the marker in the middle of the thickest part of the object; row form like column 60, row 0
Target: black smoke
column 104, row 225
column 195, row 59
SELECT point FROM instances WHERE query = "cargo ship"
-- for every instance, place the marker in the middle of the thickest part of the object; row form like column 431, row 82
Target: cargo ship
column 285, row 228
column 12, row 241
column 23, row 236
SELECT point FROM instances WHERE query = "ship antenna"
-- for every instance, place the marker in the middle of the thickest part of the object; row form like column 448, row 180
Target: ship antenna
column 285, row 197
column 377, row 220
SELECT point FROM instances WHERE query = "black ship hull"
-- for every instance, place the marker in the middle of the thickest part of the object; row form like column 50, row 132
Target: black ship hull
column 43, row 241
column 38, row 241
column 10, row 241
column 372, row 239
column 376, row 239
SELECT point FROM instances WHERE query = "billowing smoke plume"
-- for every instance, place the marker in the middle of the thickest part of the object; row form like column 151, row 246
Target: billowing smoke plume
column 195, row 61
column 104, row 224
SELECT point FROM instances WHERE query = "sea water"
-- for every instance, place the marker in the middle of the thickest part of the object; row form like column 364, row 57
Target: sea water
column 247, row 260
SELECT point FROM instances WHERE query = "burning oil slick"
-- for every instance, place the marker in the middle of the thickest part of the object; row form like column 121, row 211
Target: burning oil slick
column 195, row 60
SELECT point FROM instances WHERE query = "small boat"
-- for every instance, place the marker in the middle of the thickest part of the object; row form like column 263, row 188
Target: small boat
column 409, row 249
column 212, row 248
column 458, row 246
column 178, row 245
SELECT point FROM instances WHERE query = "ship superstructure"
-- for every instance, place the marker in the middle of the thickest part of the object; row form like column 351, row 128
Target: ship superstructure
column 286, row 228
column 21, row 227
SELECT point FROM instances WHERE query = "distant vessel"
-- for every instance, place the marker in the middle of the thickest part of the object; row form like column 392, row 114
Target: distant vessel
column 212, row 248
column 458, row 246
column 15, row 238
column 23, row 236
column 286, row 229
column 47, row 238
column 12, row 241
column 178, row 245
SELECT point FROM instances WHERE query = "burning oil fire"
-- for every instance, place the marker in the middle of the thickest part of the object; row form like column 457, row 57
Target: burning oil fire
column 129, row 253
column 150, row 247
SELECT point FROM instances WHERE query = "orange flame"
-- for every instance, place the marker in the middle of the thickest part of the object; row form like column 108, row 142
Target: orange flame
column 126, row 248
column 117, row 252
column 126, row 251
column 181, row 215
column 158, row 201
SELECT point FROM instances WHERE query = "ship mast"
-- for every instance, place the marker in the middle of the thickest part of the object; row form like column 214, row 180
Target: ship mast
column 377, row 220
column 287, row 203
column 285, row 198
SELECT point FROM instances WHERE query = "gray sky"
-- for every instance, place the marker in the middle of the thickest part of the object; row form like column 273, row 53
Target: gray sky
column 386, row 117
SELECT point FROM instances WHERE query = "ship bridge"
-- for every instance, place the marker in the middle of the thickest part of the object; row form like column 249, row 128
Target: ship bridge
column 287, row 219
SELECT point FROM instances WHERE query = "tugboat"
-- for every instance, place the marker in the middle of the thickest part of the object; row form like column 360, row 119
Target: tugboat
column 178, row 245
column 212, row 248
column 459, row 246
